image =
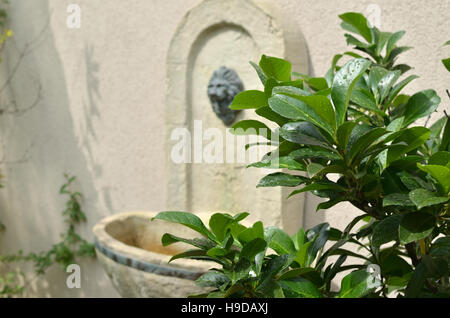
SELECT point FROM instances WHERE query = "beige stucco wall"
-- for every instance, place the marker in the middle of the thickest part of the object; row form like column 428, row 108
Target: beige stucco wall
column 101, row 112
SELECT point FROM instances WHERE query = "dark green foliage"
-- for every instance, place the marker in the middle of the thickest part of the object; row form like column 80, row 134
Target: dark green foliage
column 354, row 122
column 249, row 269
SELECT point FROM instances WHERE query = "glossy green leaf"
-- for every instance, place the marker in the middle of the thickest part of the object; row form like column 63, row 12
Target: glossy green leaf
column 252, row 248
column 251, row 233
column 402, row 67
column 330, row 203
column 441, row 247
column 281, row 179
column 319, row 186
column 271, row 83
column 306, row 272
column 382, row 39
column 280, row 241
column 396, row 52
column 351, row 40
column 212, row 279
column 337, row 168
column 420, row 105
column 317, row 83
column 386, row 83
column 413, row 182
column 394, row 282
column 333, row 270
column 423, row 198
column 357, row 132
column 299, row 238
column 375, row 75
column 297, row 109
column 202, row 243
column 393, row 265
column 396, row 124
column 275, row 67
column 249, row 99
column 437, row 267
column 218, row 223
column 236, row 229
column 400, row 199
column 446, row 63
column 343, row 83
column 269, row 114
column 415, row 226
column 272, row 86
column 272, row 268
column 344, row 132
column 386, row 230
column 440, row 158
column 358, row 23
column 393, row 39
column 300, row 287
column 197, row 255
column 240, row 271
column 330, row 74
column 352, row 224
column 251, row 127
column 417, row 281
column 302, row 254
column 440, row 173
column 313, row 169
column 303, row 133
column 290, row 91
column 284, row 162
column 318, row 235
column 185, row 218
column 437, row 126
column 358, row 284
column 412, row 138
column 314, row 152
column 445, row 136
column 364, row 99
column 217, row 252
column 240, row 216
column 322, row 106
column 364, row 142
column 260, row 72
column 398, row 87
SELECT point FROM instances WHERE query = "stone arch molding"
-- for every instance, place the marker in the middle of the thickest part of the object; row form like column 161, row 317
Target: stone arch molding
column 245, row 30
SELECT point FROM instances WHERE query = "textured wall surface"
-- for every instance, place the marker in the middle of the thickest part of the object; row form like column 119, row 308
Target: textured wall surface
column 101, row 116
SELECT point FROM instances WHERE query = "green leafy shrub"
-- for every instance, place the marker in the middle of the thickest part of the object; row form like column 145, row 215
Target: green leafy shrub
column 357, row 123
column 249, row 269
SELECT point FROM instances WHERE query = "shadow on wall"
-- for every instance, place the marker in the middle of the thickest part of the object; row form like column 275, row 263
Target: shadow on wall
column 30, row 205
column 91, row 112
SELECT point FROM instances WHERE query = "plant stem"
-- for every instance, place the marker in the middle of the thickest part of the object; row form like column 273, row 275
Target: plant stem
column 411, row 250
column 423, row 249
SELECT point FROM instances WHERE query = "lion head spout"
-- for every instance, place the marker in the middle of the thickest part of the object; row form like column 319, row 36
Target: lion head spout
column 223, row 86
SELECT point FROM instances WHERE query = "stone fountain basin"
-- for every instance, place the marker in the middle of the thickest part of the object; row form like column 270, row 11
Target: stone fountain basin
column 129, row 249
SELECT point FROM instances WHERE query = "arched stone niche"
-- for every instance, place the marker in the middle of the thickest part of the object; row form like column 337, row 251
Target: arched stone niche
column 224, row 33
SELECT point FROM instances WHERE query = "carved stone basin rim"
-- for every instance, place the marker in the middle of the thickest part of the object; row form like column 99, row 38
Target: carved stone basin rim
column 131, row 253
column 146, row 266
